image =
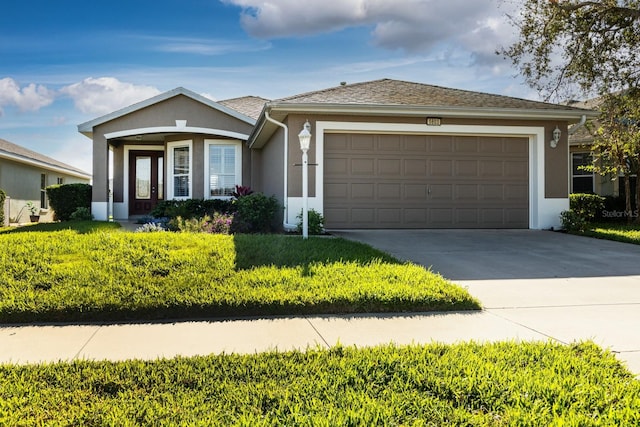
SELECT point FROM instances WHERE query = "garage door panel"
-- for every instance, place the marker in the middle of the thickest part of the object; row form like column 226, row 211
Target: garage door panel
column 363, row 143
column 336, row 191
column 414, row 192
column 362, row 167
column 466, row 145
column 418, row 181
column 415, row 167
column 440, row 144
column 364, row 191
column 466, row 192
column 390, row 192
column 389, row 167
column 392, row 143
column 441, row 168
column 415, row 144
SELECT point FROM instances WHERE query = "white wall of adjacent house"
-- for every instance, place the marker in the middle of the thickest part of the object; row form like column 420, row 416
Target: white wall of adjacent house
column 544, row 213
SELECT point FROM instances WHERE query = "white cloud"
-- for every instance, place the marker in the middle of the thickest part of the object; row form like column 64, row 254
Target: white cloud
column 28, row 98
column 409, row 25
column 206, row 47
column 104, row 95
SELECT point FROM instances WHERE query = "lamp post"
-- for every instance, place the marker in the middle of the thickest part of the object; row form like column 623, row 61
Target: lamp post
column 305, row 142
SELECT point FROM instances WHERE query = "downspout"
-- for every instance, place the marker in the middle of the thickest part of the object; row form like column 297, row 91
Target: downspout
column 581, row 123
column 285, row 224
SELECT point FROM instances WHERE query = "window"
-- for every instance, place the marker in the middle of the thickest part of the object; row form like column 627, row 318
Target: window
column 59, row 181
column 43, row 191
column 179, row 170
column 581, row 180
column 223, row 166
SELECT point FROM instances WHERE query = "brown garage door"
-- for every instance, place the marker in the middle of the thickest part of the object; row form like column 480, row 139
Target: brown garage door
column 425, row 181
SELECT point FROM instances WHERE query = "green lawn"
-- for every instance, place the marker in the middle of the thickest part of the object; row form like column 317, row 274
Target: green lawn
column 628, row 233
column 502, row 384
column 112, row 275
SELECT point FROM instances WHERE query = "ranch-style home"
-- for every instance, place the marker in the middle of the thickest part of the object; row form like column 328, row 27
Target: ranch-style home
column 384, row 154
column 24, row 176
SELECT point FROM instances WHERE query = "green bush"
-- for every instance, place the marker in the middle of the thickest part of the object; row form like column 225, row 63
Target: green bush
column 65, row 199
column 255, row 213
column 583, row 209
column 316, row 222
column 586, row 205
column 81, row 214
column 3, row 197
column 572, row 221
column 191, row 208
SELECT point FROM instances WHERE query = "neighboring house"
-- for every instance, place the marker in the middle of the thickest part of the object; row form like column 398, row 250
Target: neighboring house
column 384, row 154
column 580, row 143
column 24, row 176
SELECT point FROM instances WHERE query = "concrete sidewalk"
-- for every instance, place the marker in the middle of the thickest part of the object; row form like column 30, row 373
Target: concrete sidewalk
column 49, row 343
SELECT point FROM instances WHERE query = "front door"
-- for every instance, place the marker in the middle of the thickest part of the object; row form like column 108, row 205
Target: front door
column 146, row 181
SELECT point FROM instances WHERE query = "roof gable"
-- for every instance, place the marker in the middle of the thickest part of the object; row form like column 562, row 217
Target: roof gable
column 87, row 127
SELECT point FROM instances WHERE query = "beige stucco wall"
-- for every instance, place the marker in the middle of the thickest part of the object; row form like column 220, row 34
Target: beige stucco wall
column 22, row 184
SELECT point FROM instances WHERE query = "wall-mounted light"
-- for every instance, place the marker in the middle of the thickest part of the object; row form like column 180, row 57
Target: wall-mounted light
column 305, row 142
column 555, row 137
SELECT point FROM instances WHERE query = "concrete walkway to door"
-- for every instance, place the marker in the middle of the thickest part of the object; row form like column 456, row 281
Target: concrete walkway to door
column 564, row 287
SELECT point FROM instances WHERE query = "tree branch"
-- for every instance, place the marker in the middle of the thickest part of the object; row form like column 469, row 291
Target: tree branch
column 623, row 11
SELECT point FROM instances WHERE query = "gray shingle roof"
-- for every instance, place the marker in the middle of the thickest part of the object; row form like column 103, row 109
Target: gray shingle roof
column 250, row 106
column 9, row 149
column 402, row 93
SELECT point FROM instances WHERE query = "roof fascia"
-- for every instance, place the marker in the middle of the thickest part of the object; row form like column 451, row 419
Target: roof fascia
column 43, row 165
column 453, row 112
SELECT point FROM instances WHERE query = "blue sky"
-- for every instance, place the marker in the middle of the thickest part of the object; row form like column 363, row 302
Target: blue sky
column 63, row 63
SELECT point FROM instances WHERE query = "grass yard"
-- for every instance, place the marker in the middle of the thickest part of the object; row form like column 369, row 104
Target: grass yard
column 619, row 232
column 502, row 384
column 108, row 275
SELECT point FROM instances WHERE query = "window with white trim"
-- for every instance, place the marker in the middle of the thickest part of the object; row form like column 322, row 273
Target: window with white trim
column 581, row 179
column 223, row 166
column 180, row 169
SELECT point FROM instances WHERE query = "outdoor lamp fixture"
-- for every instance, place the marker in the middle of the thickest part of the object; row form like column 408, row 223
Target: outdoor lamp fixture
column 555, row 137
column 305, row 142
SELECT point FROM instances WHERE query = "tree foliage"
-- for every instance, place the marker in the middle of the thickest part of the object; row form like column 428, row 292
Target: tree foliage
column 563, row 43
column 616, row 145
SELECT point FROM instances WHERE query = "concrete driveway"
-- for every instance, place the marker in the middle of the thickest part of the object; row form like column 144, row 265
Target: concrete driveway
column 564, row 287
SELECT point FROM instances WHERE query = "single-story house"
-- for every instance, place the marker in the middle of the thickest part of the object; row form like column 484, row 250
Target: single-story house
column 24, row 176
column 384, row 154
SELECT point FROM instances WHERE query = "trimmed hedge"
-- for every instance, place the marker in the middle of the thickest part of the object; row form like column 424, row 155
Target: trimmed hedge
column 65, row 199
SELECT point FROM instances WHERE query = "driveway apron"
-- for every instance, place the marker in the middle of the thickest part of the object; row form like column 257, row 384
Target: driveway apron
column 564, row 287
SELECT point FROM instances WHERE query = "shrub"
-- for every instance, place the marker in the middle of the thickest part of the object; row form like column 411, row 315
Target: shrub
column 65, row 199
column 572, row 221
column 586, row 205
column 316, row 222
column 255, row 213
column 241, row 191
column 191, row 208
column 81, row 214
column 3, row 197
column 216, row 224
